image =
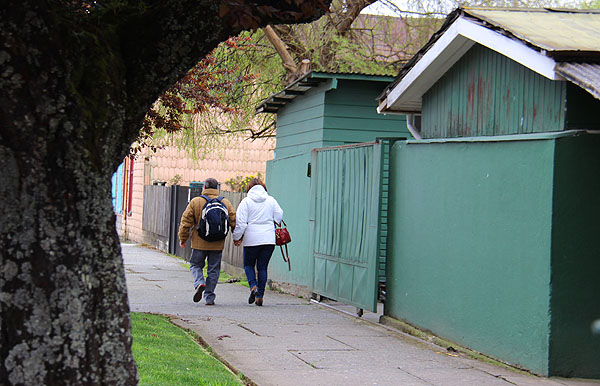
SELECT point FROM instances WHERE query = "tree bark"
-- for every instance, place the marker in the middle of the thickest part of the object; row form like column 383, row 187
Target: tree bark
column 75, row 83
column 343, row 18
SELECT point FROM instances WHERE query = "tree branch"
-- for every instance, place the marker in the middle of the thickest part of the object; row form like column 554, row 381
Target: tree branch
column 280, row 47
column 353, row 9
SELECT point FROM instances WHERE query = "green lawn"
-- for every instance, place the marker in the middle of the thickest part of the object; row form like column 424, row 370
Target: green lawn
column 168, row 355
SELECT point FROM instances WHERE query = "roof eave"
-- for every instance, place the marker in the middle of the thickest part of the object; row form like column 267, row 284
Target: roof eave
column 308, row 81
column 458, row 38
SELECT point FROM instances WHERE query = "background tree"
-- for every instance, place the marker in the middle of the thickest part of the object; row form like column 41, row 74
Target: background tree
column 343, row 40
column 211, row 89
column 77, row 80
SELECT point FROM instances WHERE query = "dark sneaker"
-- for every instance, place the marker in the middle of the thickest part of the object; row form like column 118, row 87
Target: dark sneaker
column 252, row 295
column 259, row 301
column 198, row 294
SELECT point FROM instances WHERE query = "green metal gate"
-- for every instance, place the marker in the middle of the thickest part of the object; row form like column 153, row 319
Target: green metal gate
column 345, row 223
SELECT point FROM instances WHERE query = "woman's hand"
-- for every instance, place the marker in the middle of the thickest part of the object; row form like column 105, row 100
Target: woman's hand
column 237, row 243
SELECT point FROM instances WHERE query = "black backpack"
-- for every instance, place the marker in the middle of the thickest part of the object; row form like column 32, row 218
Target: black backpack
column 214, row 220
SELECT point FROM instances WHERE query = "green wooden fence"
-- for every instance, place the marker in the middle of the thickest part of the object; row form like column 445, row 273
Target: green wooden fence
column 345, row 223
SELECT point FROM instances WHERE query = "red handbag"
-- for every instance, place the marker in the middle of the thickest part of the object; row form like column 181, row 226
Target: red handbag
column 282, row 238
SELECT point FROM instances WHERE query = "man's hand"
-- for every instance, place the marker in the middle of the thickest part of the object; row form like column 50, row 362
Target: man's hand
column 237, row 243
column 182, row 245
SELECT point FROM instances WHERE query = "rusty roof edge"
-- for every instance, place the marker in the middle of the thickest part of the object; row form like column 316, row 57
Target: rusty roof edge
column 584, row 75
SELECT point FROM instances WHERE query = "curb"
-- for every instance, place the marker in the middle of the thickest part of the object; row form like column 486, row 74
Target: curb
column 188, row 329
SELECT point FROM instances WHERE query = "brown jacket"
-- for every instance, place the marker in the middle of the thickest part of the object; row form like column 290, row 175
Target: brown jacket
column 193, row 212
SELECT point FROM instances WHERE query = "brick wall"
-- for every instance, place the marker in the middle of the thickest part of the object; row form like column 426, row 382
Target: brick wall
column 237, row 157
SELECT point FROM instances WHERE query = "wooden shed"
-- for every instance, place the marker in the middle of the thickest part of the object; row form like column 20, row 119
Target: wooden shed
column 320, row 110
column 494, row 239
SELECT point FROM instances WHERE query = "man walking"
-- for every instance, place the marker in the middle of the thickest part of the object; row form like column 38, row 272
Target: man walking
column 208, row 247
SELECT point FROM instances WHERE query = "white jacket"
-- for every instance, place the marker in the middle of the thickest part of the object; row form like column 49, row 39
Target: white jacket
column 254, row 218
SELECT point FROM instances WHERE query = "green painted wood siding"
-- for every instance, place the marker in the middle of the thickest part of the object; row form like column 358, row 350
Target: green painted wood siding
column 350, row 114
column 487, row 94
column 335, row 113
column 300, row 124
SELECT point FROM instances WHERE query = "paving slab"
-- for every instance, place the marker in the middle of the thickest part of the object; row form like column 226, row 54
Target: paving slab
column 295, row 342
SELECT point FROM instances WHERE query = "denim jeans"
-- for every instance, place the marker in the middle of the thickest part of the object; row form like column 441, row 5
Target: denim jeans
column 213, row 270
column 257, row 256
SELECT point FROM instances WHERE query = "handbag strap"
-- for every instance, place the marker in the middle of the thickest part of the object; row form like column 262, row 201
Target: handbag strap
column 279, row 224
column 286, row 257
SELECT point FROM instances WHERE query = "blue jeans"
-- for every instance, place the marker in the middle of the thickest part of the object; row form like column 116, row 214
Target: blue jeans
column 257, row 256
column 213, row 270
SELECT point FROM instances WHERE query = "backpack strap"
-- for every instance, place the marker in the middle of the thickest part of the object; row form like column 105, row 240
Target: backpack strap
column 207, row 200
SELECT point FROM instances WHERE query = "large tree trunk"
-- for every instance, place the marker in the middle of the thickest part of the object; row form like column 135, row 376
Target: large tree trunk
column 64, row 316
column 75, row 83
column 64, row 312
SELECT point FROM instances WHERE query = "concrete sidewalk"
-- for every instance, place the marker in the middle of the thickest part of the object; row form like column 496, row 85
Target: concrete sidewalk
column 290, row 341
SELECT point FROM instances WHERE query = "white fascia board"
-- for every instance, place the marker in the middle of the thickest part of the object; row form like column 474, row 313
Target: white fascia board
column 382, row 106
column 449, row 48
column 513, row 49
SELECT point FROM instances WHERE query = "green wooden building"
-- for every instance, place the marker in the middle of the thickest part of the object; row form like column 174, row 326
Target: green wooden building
column 494, row 219
column 320, row 110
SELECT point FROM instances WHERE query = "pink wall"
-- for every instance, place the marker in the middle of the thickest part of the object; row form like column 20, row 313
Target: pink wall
column 239, row 158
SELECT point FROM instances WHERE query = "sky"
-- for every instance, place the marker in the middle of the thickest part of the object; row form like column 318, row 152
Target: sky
column 380, row 7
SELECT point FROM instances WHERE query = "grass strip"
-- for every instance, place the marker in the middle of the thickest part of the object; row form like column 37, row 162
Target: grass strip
column 167, row 355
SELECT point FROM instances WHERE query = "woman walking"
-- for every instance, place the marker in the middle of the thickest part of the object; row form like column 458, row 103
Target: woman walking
column 255, row 230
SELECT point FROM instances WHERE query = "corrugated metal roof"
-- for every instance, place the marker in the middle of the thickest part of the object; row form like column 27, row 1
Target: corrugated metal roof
column 585, row 75
column 564, row 36
column 388, row 71
column 351, row 75
column 548, row 29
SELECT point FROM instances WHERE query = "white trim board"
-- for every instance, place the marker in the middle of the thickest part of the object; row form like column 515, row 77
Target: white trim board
column 448, row 49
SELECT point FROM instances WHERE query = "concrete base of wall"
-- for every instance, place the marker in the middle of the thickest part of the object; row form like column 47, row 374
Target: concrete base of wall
column 292, row 289
column 232, row 270
column 157, row 241
column 449, row 346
